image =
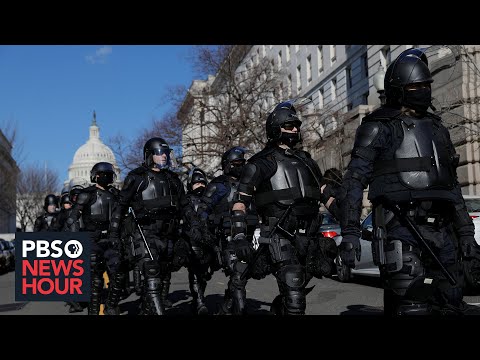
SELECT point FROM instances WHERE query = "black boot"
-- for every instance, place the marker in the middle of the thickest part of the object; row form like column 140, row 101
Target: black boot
column 95, row 296
column 165, row 291
column 115, row 291
column 152, row 296
column 137, row 280
column 227, row 305
column 197, row 289
column 74, row 307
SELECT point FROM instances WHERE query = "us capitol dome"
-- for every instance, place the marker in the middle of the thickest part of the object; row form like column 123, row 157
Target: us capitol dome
column 87, row 155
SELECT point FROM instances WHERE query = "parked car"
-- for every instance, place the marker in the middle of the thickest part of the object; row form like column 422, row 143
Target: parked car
column 7, row 255
column 473, row 206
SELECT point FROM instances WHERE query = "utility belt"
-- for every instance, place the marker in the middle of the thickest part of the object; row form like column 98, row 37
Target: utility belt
column 300, row 226
column 434, row 213
column 164, row 226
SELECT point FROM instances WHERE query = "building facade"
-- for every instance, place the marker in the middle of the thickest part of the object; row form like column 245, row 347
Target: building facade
column 9, row 173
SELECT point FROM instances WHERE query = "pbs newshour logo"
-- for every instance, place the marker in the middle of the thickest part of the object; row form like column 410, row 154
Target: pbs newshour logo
column 52, row 266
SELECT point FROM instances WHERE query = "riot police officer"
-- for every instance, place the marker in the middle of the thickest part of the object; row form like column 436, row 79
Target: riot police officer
column 156, row 195
column 47, row 221
column 65, row 210
column 217, row 202
column 405, row 155
column 286, row 185
column 202, row 253
column 95, row 205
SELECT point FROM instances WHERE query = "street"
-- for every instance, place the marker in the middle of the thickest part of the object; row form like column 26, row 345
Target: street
column 362, row 296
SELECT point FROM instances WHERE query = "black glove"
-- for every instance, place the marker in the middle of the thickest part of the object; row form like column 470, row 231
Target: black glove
column 242, row 247
column 349, row 249
column 470, row 248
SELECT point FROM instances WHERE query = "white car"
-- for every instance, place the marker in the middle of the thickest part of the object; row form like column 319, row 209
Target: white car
column 473, row 206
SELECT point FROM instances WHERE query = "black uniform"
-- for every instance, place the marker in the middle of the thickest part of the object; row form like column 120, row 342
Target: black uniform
column 157, row 198
column 216, row 204
column 95, row 207
column 285, row 185
column 201, row 254
column 47, row 221
column 407, row 159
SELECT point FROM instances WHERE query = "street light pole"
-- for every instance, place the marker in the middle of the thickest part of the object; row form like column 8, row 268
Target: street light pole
column 379, row 83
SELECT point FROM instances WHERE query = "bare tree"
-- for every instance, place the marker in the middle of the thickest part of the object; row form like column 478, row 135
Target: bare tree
column 33, row 185
column 231, row 109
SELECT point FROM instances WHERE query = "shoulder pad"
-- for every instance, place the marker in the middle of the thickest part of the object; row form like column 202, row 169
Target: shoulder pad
column 83, row 198
column 211, row 189
column 263, row 153
column 139, row 171
column 366, row 133
column 382, row 113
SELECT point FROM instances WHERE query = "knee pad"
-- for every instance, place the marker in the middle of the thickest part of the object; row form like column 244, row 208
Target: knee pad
column 295, row 302
column 412, row 268
column 293, row 276
column 151, row 269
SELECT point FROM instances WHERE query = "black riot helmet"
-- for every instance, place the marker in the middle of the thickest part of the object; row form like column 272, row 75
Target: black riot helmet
column 156, row 146
column 233, row 161
column 65, row 190
column 50, row 199
column 196, row 175
column 410, row 67
column 106, row 174
column 283, row 115
column 65, row 199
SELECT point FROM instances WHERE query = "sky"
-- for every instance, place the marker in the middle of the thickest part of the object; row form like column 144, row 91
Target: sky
column 50, row 92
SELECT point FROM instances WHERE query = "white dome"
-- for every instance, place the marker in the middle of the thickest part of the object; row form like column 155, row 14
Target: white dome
column 90, row 153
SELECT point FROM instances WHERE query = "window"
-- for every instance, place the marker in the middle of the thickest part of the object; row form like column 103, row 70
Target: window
column 333, row 53
column 309, row 69
column 333, row 87
column 349, row 106
column 320, row 98
column 288, row 53
column 279, row 59
column 289, row 85
column 365, row 98
column 320, row 58
column 349, row 77
column 365, row 65
column 299, row 78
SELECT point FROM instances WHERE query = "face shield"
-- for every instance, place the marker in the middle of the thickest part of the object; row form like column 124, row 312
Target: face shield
column 161, row 157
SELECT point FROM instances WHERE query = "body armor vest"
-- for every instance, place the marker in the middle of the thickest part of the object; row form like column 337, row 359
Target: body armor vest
column 292, row 183
column 418, row 166
column 102, row 207
column 159, row 193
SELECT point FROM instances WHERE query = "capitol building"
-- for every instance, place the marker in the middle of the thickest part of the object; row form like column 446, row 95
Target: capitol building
column 87, row 155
